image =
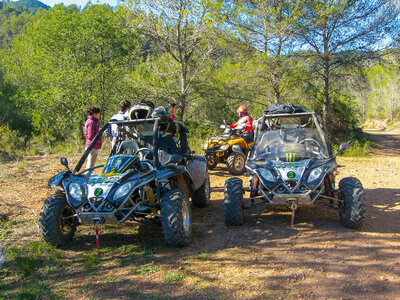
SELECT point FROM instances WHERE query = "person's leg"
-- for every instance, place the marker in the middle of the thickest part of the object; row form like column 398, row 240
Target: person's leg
column 91, row 159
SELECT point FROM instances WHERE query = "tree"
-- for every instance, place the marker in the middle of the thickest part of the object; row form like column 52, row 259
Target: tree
column 182, row 29
column 67, row 61
column 329, row 27
column 267, row 27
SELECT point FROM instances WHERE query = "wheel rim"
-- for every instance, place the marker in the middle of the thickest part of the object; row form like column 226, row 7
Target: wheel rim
column 238, row 162
column 185, row 216
column 67, row 220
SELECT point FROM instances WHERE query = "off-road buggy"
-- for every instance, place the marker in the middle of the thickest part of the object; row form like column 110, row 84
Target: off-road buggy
column 289, row 165
column 230, row 147
column 148, row 180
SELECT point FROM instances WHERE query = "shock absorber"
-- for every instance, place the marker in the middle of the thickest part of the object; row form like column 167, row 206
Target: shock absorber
column 151, row 198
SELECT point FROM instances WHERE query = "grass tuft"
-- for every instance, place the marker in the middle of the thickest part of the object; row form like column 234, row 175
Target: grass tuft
column 147, row 269
column 173, row 277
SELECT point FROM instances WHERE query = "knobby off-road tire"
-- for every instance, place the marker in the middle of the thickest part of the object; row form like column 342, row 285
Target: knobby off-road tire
column 352, row 212
column 56, row 223
column 233, row 211
column 236, row 163
column 176, row 218
column 201, row 196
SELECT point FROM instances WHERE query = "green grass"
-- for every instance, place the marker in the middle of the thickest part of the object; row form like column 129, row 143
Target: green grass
column 147, row 269
column 204, row 255
column 173, row 277
column 91, row 260
column 356, row 149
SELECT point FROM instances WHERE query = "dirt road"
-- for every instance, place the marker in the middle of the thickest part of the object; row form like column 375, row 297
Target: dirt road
column 263, row 259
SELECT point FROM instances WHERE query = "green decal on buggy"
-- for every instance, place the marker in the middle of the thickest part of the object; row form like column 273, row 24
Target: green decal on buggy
column 291, row 174
column 290, row 157
column 98, row 192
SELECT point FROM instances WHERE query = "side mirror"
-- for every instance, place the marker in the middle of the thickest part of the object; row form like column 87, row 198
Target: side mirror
column 343, row 147
column 64, row 162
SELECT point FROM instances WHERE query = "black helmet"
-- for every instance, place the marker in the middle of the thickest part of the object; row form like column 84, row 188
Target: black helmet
column 166, row 124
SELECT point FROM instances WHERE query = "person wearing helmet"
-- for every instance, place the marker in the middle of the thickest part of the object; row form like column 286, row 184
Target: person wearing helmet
column 246, row 122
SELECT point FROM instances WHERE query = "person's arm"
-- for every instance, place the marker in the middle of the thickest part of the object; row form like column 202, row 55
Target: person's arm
column 234, row 125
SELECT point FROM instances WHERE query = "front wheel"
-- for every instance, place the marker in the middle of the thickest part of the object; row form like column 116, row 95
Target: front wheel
column 236, row 163
column 352, row 211
column 201, row 196
column 176, row 218
column 233, row 211
column 57, row 222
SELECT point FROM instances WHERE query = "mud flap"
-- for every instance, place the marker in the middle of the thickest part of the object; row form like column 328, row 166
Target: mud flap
column 197, row 169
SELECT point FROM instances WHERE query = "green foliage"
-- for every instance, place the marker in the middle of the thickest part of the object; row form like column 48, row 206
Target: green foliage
column 206, row 56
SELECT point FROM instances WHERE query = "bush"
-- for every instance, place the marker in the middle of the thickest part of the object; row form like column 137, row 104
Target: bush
column 12, row 144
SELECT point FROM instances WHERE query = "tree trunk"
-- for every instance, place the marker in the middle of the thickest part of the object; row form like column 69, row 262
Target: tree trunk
column 183, row 95
column 326, row 99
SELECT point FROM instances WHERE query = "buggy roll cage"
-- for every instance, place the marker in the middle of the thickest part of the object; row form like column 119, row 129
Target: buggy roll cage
column 310, row 114
column 156, row 161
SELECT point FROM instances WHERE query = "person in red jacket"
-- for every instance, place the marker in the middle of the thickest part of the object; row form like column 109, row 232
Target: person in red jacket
column 91, row 129
column 173, row 108
column 246, row 122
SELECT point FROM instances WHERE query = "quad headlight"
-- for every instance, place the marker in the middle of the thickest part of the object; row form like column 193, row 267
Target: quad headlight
column 315, row 174
column 266, row 174
column 204, row 145
column 123, row 190
column 75, row 191
column 223, row 147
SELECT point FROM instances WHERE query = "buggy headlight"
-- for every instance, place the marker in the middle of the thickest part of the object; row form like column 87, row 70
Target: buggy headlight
column 223, row 147
column 123, row 190
column 266, row 174
column 315, row 174
column 205, row 145
column 75, row 191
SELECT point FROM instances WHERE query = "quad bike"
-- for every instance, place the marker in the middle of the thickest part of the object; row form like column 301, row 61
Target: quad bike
column 230, row 147
column 290, row 165
column 149, row 180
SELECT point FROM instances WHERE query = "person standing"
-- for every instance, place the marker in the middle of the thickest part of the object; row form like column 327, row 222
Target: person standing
column 173, row 108
column 91, row 129
column 116, row 136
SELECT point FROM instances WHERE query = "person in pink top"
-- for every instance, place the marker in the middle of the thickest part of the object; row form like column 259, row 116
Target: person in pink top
column 91, row 129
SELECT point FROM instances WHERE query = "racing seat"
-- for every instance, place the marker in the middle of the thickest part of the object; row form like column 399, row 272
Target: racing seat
column 128, row 147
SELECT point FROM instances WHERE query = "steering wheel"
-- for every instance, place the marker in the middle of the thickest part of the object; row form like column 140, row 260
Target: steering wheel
column 143, row 152
column 312, row 141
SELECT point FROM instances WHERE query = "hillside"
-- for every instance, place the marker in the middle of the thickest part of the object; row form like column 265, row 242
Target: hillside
column 32, row 5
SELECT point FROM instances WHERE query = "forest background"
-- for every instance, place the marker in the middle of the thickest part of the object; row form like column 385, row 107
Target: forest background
column 337, row 57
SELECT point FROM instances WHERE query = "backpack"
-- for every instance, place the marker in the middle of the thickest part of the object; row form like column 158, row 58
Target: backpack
column 274, row 109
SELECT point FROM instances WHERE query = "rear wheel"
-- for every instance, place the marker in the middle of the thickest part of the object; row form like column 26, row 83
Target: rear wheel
column 176, row 218
column 201, row 197
column 236, row 163
column 233, row 211
column 352, row 211
column 57, row 222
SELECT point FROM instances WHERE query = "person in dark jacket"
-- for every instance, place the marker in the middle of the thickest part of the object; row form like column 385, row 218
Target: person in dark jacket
column 91, row 129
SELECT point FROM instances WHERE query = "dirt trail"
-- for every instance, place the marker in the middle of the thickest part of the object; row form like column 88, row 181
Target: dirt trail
column 388, row 142
column 263, row 259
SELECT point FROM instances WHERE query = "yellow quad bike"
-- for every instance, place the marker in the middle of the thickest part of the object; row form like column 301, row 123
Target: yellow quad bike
column 230, row 147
